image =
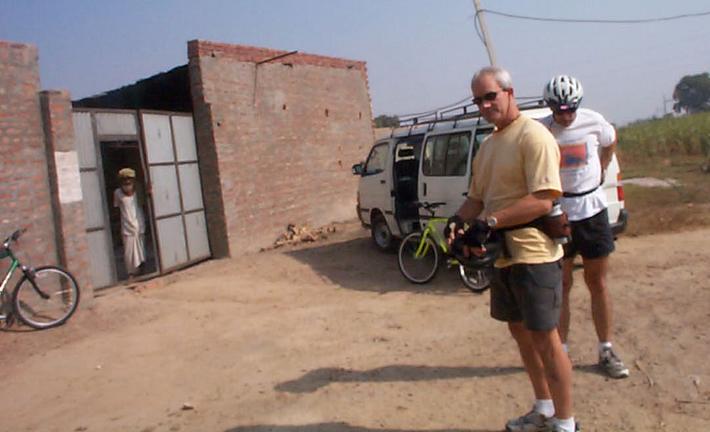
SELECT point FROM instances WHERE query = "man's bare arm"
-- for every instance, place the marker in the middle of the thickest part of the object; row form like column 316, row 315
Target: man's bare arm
column 606, row 155
column 470, row 209
column 526, row 209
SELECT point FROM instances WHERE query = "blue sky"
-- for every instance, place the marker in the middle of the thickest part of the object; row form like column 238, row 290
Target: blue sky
column 420, row 53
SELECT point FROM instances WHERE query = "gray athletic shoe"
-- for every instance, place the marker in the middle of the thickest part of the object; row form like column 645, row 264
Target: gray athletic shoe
column 612, row 365
column 530, row 422
column 554, row 427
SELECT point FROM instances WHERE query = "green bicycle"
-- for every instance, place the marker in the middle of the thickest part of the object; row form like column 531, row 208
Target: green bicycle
column 44, row 297
column 419, row 255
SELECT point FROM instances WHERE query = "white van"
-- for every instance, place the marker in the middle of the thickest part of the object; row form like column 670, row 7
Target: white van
column 431, row 162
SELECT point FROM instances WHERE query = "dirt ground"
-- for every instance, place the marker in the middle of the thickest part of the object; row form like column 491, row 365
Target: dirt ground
column 329, row 337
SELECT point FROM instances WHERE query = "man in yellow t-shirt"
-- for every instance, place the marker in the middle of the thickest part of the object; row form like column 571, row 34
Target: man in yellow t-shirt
column 515, row 181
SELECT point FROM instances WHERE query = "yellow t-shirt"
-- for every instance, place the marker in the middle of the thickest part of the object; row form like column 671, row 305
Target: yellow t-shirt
column 520, row 159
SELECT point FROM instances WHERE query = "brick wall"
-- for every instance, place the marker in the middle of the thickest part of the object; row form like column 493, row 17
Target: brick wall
column 24, row 186
column 277, row 140
column 65, row 188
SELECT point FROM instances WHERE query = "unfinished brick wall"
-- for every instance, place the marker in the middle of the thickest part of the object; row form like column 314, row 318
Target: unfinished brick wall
column 24, row 185
column 65, row 188
column 276, row 139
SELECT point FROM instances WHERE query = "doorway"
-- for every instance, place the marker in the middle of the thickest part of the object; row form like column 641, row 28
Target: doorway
column 116, row 155
column 161, row 148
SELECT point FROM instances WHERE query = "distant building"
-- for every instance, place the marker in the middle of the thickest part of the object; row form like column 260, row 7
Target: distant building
column 231, row 147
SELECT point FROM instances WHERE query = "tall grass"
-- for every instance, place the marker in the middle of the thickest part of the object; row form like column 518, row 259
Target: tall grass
column 667, row 137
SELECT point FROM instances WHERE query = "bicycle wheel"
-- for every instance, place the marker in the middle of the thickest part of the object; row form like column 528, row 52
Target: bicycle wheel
column 419, row 267
column 476, row 280
column 50, row 301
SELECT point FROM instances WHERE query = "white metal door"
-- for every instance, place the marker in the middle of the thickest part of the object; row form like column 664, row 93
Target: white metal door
column 171, row 155
column 445, row 171
column 375, row 183
column 101, row 262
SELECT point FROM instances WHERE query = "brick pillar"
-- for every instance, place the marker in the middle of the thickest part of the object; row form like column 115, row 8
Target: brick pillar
column 24, row 184
column 65, row 189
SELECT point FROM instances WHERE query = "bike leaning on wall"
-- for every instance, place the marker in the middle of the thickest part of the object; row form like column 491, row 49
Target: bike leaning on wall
column 44, row 297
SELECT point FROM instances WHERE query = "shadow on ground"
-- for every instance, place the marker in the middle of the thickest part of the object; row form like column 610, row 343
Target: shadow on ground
column 356, row 264
column 337, row 427
column 318, row 378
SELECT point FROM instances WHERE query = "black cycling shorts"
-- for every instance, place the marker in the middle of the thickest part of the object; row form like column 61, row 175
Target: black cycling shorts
column 591, row 237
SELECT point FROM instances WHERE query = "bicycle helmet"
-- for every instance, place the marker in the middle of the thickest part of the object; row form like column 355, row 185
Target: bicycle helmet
column 563, row 92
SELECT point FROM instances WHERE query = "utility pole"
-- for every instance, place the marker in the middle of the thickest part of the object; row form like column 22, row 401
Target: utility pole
column 484, row 30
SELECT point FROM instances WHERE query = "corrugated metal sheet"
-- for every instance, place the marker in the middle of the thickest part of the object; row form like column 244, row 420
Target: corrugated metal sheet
column 185, row 144
column 84, row 138
column 158, row 138
column 191, row 186
column 116, row 124
column 100, row 262
column 166, row 197
column 197, row 241
column 93, row 201
column 171, row 237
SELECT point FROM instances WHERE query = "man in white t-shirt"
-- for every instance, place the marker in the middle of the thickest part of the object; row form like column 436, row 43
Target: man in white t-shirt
column 587, row 143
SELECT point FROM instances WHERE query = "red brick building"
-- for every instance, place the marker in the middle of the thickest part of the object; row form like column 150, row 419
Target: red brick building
column 276, row 133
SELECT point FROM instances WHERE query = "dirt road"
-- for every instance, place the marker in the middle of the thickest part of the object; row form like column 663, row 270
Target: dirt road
column 331, row 338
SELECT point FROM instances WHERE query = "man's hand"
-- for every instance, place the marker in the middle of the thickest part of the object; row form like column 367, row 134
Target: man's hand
column 477, row 234
column 453, row 228
column 473, row 240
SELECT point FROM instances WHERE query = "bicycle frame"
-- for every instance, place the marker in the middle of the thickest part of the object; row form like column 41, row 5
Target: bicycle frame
column 14, row 265
column 431, row 230
column 10, row 271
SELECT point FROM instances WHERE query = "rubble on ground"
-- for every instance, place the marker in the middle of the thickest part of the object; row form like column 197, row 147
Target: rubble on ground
column 303, row 234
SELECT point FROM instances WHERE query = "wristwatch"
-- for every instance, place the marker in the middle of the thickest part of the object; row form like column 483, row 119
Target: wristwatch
column 492, row 221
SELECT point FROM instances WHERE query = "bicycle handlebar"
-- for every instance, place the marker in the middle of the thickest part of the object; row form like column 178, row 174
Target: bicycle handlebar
column 430, row 207
column 13, row 237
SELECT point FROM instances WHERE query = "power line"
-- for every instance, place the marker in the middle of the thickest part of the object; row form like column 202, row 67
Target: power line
column 595, row 21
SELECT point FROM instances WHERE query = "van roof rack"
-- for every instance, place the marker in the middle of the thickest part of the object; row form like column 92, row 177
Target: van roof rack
column 456, row 114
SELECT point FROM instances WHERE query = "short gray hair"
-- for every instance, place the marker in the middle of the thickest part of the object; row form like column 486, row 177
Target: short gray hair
column 501, row 76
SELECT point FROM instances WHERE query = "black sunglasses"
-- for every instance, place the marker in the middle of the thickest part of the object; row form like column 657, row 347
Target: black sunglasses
column 490, row 97
column 571, row 110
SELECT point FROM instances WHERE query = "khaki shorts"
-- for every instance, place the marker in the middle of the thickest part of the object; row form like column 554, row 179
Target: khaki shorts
column 531, row 293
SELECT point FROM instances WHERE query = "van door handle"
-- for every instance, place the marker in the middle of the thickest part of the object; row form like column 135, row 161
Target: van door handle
column 465, row 194
column 424, row 188
column 382, row 182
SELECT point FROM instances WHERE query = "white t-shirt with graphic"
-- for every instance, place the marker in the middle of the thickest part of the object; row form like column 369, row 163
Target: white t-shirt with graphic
column 580, row 166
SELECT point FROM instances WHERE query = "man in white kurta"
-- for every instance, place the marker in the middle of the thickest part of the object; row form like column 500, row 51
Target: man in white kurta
column 132, row 221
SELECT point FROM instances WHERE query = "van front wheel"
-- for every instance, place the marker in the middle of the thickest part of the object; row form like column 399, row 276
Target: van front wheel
column 381, row 234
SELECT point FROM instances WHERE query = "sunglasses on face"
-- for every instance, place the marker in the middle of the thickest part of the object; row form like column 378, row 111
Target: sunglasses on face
column 564, row 109
column 490, row 97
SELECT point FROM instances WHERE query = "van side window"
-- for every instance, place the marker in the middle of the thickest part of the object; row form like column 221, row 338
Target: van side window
column 481, row 134
column 377, row 160
column 446, row 155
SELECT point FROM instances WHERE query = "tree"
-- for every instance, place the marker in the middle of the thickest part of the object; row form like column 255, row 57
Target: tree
column 692, row 93
column 386, row 121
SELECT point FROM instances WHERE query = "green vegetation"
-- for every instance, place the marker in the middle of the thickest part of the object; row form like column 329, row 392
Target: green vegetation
column 668, row 148
column 667, row 137
column 692, row 93
column 386, row 121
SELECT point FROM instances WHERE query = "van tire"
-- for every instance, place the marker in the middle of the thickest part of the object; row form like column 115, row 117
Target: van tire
column 381, row 234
